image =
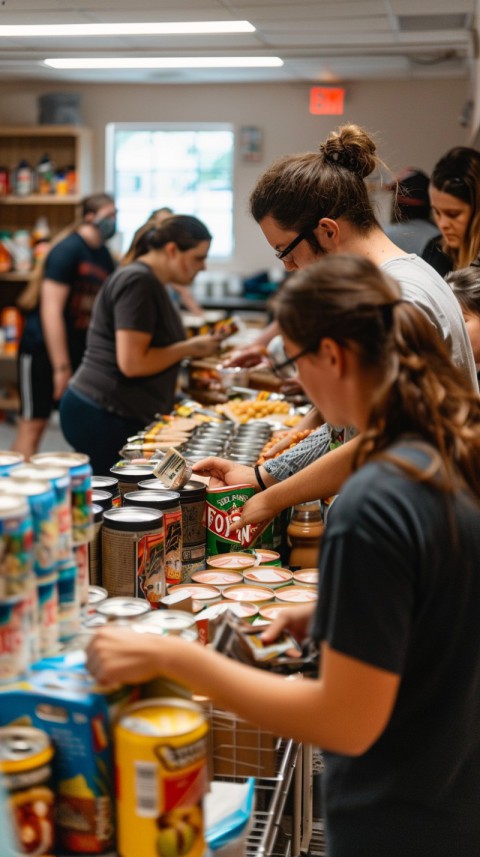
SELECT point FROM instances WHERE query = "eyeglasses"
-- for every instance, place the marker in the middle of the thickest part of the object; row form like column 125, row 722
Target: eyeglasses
column 279, row 368
column 282, row 254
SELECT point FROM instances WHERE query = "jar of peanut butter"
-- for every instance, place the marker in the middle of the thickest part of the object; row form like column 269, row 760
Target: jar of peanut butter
column 304, row 532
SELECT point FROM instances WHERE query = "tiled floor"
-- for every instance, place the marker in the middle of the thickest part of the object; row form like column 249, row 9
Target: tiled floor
column 53, row 440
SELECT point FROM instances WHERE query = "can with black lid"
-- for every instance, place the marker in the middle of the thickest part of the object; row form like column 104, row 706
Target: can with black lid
column 102, row 498
column 95, row 547
column 192, row 502
column 133, row 553
column 129, row 475
column 168, row 503
column 108, row 483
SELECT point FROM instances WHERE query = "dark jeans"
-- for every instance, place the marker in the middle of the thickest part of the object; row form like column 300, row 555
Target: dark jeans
column 91, row 429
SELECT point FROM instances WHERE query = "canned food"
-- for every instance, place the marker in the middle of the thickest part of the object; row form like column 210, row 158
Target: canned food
column 14, row 639
column 123, row 610
column 296, row 594
column 25, row 761
column 95, row 547
column 80, row 556
column 192, row 504
column 248, row 592
column 133, row 553
column 221, row 505
column 130, row 475
column 272, row 576
column 16, row 545
column 168, row 504
column 9, row 461
column 81, row 488
column 41, row 500
column 96, row 595
column 59, row 478
column 201, row 594
column 232, row 561
column 48, row 625
column 161, row 761
column 110, row 484
column 267, row 557
column 68, row 602
column 219, row 578
column 306, row 576
column 166, row 622
column 102, row 498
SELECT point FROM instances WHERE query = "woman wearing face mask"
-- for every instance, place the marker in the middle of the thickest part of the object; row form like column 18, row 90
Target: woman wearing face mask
column 60, row 297
column 455, row 199
column 396, row 702
column 135, row 343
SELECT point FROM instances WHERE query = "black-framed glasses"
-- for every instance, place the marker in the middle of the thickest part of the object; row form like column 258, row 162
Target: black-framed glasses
column 279, row 368
column 282, row 254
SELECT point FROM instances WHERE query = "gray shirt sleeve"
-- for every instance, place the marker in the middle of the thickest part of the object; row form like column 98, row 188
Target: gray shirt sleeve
column 308, row 450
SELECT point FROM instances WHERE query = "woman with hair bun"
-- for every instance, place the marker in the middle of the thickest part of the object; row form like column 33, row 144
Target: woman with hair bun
column 310, row 205
column 135, row 343
column 455, row 198
column 396, row 702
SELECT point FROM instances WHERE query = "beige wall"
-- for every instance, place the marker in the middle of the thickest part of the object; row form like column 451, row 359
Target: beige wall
column 415, row 122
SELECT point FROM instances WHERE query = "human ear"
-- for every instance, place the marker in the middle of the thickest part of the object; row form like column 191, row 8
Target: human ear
column 332, row 356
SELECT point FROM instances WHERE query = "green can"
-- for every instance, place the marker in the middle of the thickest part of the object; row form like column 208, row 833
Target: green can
column 222, row 504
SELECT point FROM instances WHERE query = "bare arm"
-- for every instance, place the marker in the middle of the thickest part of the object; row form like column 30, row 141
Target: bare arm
column 321, row 479
column 344, row 711
column 53, row 299
column 136, row 357
column 187, row 299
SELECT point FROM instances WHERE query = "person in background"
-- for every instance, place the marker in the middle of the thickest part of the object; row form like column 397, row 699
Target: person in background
column 455, row 200
column 59, row 298
column 310, row 205
column 466, row 288
column 135, row 344
column 411, row 227
column 179, row 294
column 395, row 704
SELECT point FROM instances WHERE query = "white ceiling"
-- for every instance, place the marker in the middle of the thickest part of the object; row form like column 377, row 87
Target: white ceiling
column 319, row 40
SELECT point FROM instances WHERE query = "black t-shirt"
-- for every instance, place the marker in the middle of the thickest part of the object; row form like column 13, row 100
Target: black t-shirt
column 133, row 298
column 400, row 589
column 84, row 269
column 434, row 255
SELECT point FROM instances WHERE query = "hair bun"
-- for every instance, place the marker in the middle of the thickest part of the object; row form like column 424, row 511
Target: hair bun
column 351, row 148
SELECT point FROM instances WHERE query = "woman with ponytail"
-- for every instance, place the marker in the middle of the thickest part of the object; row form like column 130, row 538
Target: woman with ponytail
column 396, row 703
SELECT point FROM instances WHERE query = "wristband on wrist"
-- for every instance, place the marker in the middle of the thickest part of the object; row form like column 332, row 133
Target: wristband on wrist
column 261, row 483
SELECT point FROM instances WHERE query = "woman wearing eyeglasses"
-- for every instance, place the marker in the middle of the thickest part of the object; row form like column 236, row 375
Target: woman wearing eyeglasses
column 396, row 703
column 455, row 198
column 315, row 204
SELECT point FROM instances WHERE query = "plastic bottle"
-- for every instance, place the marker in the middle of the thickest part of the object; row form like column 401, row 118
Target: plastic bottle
column 45, row 175
column 6, row 260
column 304, row 532
column 24, row 179
column 22, row 254
column 41, row 237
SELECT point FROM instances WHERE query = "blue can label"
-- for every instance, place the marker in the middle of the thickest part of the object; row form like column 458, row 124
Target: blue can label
column 14, row 650
column 82, row 516
column 45, row 530
column 16, row 553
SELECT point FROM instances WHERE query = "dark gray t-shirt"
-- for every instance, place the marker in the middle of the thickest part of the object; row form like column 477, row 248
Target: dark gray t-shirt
column 400, row 590
column 133, row 298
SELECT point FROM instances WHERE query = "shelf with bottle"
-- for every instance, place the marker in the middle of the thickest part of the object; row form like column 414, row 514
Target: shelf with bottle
column 41, row 199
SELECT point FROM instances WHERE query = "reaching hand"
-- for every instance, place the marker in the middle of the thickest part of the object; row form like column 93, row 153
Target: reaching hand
column 223, row 472
column 259, row 508
column 250, row 356
column 296, row 620
column 204, row 346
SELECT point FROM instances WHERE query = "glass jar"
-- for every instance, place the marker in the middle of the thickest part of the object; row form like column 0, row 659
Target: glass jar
column 304, row 532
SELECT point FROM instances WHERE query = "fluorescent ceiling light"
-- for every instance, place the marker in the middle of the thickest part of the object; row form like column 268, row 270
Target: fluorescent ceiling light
column 164, row 62
column 175, row 28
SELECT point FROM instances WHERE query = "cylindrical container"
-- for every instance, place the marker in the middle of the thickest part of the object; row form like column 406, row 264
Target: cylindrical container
column 168, row 503
column 296, row 594
column 133, row 553
column 306, row 577
column 81, row 488
column 80, row 556
column 129, row 475
column 268, row 575
column 161, row 763
column 59, row 478
column 219, row 578
column 16, row 542
column 108, row 483
column 95, row 547
column 122, row 611
column 68, row 603
column 304, row 532
column 9, row 461
column 192, row 502
column 175, row 622
column 102, row 498
column 234, row 561
column 48, row 620
column 202, row 594
column 14, row 641
column 267, row 557
column 41, row 500
column 96, row 595
column 25, row 764
column 221, row 507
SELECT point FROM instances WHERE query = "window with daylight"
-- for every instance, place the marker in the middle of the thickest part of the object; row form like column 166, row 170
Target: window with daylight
column 188, row 168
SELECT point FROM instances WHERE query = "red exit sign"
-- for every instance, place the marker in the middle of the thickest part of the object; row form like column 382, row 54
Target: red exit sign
column 326, row 100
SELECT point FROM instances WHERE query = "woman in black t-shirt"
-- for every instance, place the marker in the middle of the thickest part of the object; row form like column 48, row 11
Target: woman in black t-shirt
column 135, row 344
column 396, row 703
